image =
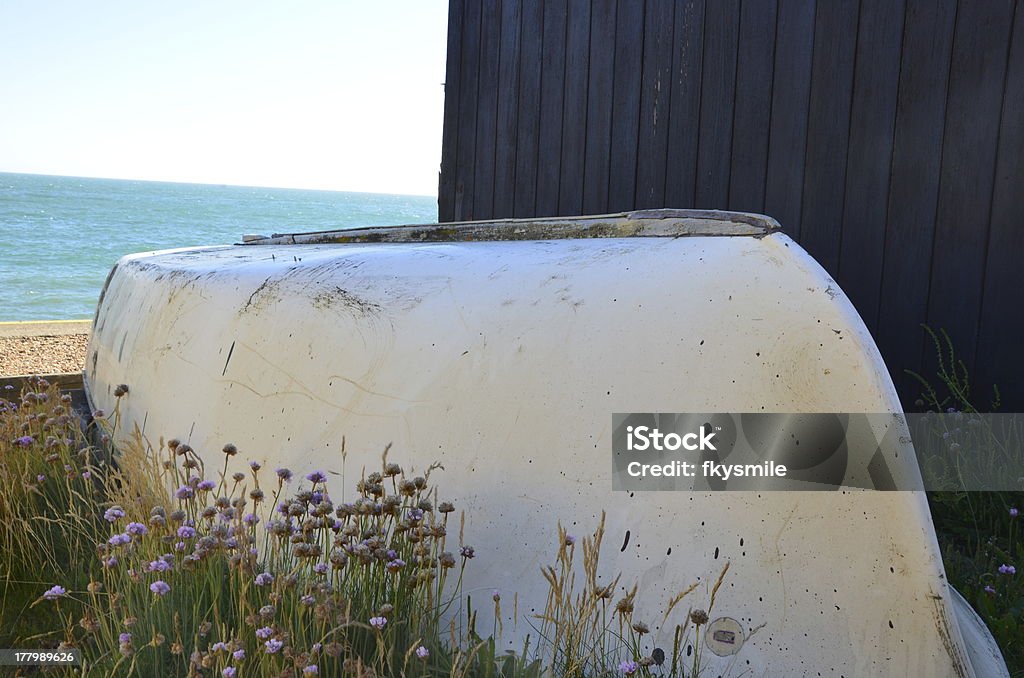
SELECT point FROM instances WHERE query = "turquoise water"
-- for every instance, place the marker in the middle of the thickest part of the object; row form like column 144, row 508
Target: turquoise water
column 59, row 236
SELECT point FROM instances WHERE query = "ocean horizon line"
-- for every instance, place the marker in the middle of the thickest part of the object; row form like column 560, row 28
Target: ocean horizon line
column 225, row 184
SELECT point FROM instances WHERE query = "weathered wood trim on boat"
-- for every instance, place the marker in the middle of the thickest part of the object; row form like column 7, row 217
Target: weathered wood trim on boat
column 662, row 223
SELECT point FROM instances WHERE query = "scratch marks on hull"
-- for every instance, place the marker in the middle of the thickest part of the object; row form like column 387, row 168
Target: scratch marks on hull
column 230, row 351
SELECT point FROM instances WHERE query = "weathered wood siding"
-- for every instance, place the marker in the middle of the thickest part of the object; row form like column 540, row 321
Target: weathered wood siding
column 887, row 136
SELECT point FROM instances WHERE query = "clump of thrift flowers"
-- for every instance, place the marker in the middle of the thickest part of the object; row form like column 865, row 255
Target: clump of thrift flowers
column 297, row 563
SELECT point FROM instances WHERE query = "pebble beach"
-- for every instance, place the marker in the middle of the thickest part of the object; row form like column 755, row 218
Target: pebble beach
column 42, row 347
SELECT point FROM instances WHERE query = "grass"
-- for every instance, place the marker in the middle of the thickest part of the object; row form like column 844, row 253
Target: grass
column 585, row 630
column 980, row 533
column 262, row 573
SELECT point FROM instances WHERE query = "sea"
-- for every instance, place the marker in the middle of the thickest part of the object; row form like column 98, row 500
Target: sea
column 60, row 236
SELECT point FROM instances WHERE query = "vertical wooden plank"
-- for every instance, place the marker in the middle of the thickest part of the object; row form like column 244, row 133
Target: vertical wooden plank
column 466, row 151
column 487, row 110
column 872, row 119
column 599, row 107
column 914, row 186
column 574, row 111
column 828, row 128
column 791, row 92
column 652, row 153
column 976, row 81
column 450, row 127
column 552, row 94
column 684, row 104
column 718, row 98
column 629, row 45
column 754, row 71
column 508, row 110
column 1001, row 328
column 531, row 44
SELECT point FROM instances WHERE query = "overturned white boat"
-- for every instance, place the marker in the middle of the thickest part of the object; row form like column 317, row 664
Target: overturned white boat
column 502, row 350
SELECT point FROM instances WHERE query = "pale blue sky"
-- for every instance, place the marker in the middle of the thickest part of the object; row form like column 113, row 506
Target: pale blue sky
column 340, row 95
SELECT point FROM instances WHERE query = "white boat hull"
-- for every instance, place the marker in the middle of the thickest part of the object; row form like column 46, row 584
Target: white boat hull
column 504, row 360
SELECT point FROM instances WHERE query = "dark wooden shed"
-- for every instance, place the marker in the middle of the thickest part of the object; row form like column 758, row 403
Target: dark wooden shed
column 887, row 136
